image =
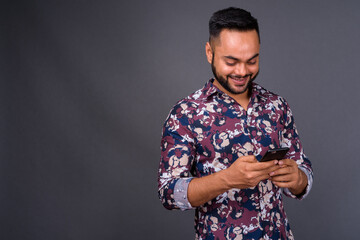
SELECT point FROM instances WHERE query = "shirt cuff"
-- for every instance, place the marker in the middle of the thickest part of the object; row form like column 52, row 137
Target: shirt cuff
column 308, row 187
column 180, row 194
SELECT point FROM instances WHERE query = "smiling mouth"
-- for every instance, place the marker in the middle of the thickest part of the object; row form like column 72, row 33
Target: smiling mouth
column 239, row 80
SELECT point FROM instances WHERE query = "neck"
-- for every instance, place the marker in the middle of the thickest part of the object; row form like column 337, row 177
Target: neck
column 242, row 99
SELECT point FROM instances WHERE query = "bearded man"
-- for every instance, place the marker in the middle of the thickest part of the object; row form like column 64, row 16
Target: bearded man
column 213, row 141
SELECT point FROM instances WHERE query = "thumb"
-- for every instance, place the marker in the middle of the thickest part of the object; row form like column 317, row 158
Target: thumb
column 248, row 158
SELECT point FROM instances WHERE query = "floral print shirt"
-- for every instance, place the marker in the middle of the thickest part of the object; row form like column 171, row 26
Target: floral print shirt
column 205, row 133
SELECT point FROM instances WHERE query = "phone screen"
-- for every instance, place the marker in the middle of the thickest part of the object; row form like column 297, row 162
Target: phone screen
column 272, row 154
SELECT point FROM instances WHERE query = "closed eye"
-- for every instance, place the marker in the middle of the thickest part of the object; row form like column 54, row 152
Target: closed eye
column 230, row 63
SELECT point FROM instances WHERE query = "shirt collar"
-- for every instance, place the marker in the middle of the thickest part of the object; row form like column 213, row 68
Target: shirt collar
column 210, row 89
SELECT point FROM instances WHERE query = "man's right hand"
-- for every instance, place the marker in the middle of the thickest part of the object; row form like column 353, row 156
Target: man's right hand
column 245, row 172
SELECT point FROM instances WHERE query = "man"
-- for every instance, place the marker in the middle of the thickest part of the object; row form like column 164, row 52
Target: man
column 213, row 140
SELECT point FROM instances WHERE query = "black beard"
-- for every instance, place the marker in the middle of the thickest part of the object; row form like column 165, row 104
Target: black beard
column 225, row 82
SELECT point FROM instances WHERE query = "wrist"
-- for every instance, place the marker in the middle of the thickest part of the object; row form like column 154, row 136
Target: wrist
column 301, row 184
column 225, row 178
column 203, row 189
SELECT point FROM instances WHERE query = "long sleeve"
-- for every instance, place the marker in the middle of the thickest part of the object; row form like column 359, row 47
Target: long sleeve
column 177, row 155
column 290, row 138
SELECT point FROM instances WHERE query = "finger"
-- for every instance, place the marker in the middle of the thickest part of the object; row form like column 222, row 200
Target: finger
column 262, row 177
column 266, row 166
column 281, row 178
column 255, row 165
column 282, row 171
column 248, row 158
column 288, row 162
column 274, row 168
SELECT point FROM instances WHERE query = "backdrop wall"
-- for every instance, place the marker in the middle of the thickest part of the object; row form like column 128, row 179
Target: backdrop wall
column 87, row 85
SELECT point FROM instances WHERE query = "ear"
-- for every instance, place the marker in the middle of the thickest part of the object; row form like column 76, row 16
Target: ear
column 209, row 52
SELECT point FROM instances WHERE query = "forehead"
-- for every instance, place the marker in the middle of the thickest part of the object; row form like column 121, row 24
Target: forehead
column 240, row 44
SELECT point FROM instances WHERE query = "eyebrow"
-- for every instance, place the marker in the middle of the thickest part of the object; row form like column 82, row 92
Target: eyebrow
column 236, row 59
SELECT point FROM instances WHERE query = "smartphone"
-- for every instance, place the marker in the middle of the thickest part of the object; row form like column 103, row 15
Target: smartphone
column 272, row 154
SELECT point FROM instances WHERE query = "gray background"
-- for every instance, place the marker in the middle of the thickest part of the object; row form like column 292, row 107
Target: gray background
column 86, row 86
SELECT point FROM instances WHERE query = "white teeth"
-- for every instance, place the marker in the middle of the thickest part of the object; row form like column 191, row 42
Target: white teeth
column 239, row 79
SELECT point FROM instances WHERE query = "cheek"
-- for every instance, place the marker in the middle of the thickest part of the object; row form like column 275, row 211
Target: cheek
column 225, row 69
column 254, row 68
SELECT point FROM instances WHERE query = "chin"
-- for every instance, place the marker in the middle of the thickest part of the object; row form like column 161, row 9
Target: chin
column 240, row 89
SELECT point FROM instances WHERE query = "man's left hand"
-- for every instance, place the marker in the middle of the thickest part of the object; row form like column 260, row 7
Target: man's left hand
column 289, row 176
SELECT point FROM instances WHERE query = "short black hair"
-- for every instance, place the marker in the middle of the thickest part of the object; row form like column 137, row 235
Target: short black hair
column 234, row 19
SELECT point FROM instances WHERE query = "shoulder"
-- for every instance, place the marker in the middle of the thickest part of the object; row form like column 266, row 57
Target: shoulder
column 270, row 98
column 193, row 102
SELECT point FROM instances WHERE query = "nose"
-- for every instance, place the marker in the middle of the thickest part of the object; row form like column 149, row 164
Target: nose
column 241, row 69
